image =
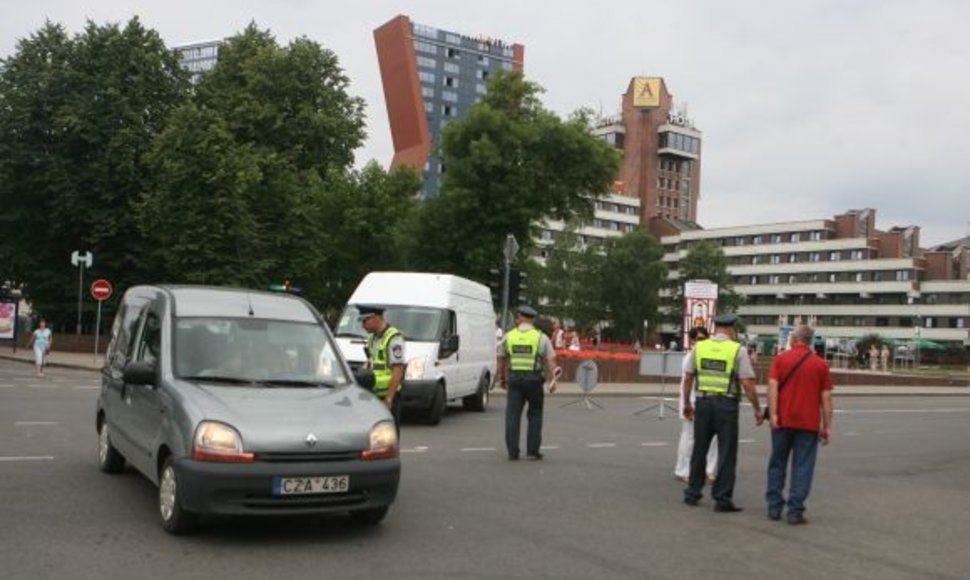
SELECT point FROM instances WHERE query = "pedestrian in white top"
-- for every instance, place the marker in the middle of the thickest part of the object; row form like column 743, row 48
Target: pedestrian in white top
column 42, row 340
column 686, row 445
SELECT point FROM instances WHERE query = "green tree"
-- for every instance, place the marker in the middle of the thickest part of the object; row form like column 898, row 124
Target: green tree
column 77, row 116
column 631, row 276
column 567, row 282
column 276, row 133
column 704, row 261
column 507, row 164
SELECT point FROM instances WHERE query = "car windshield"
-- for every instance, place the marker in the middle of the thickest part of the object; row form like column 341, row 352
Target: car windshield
column 252, row 351
column 417, row 323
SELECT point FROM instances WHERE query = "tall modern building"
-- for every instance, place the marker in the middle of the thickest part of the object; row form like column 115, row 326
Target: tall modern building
column 843, row 275
column 432, row 77
column 661, row 154
column 199, row 58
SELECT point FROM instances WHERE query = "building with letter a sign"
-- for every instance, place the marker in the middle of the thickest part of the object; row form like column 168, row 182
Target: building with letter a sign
column 700, row 305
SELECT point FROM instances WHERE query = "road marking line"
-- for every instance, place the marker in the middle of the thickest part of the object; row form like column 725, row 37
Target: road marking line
column 26, row 423
column 747, row 440
column 600, row 445
column 88, row 388
column 549, row 447
column 851, row 434
column 654, row 444
column 36, row 458
column 43, row 386
column 479, row 449
column 418, row 449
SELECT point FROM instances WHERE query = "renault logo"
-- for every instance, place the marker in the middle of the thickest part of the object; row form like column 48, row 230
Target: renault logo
column 311, row 440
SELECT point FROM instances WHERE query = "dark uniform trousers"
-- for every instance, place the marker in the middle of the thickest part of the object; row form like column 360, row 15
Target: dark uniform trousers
column 714, row 415
column 522, row 390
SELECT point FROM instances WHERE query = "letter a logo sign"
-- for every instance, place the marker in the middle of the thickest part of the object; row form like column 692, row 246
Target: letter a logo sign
column 646, row 92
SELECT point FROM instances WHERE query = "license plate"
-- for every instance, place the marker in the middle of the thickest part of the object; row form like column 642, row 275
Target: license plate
column 311, row 485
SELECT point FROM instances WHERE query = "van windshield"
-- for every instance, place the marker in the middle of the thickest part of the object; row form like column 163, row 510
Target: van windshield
column 249, row 350
column 417, row 323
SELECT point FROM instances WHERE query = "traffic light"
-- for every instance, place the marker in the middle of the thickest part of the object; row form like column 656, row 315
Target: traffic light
column 517, row 287
column 495, row 285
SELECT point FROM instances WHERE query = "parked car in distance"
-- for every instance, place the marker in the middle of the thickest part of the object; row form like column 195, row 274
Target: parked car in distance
column 449, row 327
column 239, row 403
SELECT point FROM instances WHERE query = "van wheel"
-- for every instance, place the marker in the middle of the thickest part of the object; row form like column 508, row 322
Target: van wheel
column 478, row 401
column 109, row 460
column 437, row 409
column 175, row 520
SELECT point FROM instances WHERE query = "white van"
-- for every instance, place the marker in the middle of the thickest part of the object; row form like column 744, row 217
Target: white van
column 449, row 326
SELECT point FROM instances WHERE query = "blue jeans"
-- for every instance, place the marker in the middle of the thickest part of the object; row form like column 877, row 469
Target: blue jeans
column 802, row 448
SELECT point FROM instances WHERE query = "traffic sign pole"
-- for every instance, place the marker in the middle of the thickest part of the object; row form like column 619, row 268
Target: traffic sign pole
column 101, row 290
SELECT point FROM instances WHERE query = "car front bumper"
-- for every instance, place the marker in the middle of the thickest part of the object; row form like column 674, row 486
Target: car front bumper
column 247, row 488
column 417, row 394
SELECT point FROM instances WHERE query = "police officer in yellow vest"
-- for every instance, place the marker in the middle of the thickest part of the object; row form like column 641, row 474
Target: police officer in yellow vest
column 522, row 354
column 385, row 353
column 721, row 368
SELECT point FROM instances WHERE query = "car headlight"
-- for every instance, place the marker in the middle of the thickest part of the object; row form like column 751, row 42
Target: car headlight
column 383, row 442
column 415, row 370
column 216, row 441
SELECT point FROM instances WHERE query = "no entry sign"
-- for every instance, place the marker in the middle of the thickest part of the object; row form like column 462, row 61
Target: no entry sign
column 101, row 290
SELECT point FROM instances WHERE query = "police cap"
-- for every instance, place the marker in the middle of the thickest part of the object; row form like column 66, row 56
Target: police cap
column 527, row 311
column 726, row 320
column 365, row 311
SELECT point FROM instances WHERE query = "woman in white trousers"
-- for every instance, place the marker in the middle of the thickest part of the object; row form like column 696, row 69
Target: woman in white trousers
column 686, row 446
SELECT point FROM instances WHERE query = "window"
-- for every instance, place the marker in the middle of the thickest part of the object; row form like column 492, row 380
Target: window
column 452, row 39
column 448, row 110
column 449, row 96
column 428, row 106
column 451, row 82
column 776, row 258
column 451, row 67
column 483, row 60
column 506, row 65
column 774, row 279
column 480, row 88
column 427, row 92
column 815, row 257
column 859, row 277
column 902, row 275
column 757, row 240
column 858, row 255
column 124, row 330
column 776, row 238
column 792, row 278
column 792, row 258
column 794, row 237
column 834, row 256
column 428, row 62
column 426, row 77
column 424, row 30
column 929, row 322
column 453, row 52
column 833, row 278
column 150, row 345
column 482, row 74
column 754, row 280
column 427, row 47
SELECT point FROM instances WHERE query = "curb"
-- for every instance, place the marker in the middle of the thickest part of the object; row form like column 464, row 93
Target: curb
column 55, row 364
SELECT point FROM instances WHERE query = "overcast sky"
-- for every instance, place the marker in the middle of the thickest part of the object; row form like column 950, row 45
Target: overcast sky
column 808, row 107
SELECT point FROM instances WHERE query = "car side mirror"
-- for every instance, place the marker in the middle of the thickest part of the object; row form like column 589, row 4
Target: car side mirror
column 449, row 346
column 365, row 378
column 140, row 373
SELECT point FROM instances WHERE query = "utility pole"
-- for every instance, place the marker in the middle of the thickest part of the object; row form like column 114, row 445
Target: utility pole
column 81, row 261
column 511, row 249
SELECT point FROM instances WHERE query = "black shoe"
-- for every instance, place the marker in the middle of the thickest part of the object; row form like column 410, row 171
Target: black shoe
column 726, row 508
column 691, row 501
column 514, row 456
column 797, row 520
column 534, row 456
column 774, row 515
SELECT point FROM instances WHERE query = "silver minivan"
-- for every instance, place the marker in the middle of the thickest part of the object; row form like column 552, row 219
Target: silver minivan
column 239, row 402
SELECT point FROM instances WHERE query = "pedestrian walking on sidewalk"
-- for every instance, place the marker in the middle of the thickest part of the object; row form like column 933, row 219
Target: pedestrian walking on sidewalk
column 721, row 369
column 523, row 355
column 800, row 403
column 686, row 445
column 42, row 340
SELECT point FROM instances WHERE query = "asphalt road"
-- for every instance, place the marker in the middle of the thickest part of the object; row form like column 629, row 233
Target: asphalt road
column 891, row 500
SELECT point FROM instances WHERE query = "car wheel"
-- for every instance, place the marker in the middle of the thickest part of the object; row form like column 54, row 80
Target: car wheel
column 370, row 516
column 109, row 460
column 438, row 403
column 478, row 401
column 175, row 520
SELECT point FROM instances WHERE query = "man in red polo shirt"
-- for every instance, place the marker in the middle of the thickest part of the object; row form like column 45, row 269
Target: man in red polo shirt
column 800, row 400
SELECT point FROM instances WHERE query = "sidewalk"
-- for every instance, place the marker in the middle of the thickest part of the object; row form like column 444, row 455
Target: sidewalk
column 86, row 361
